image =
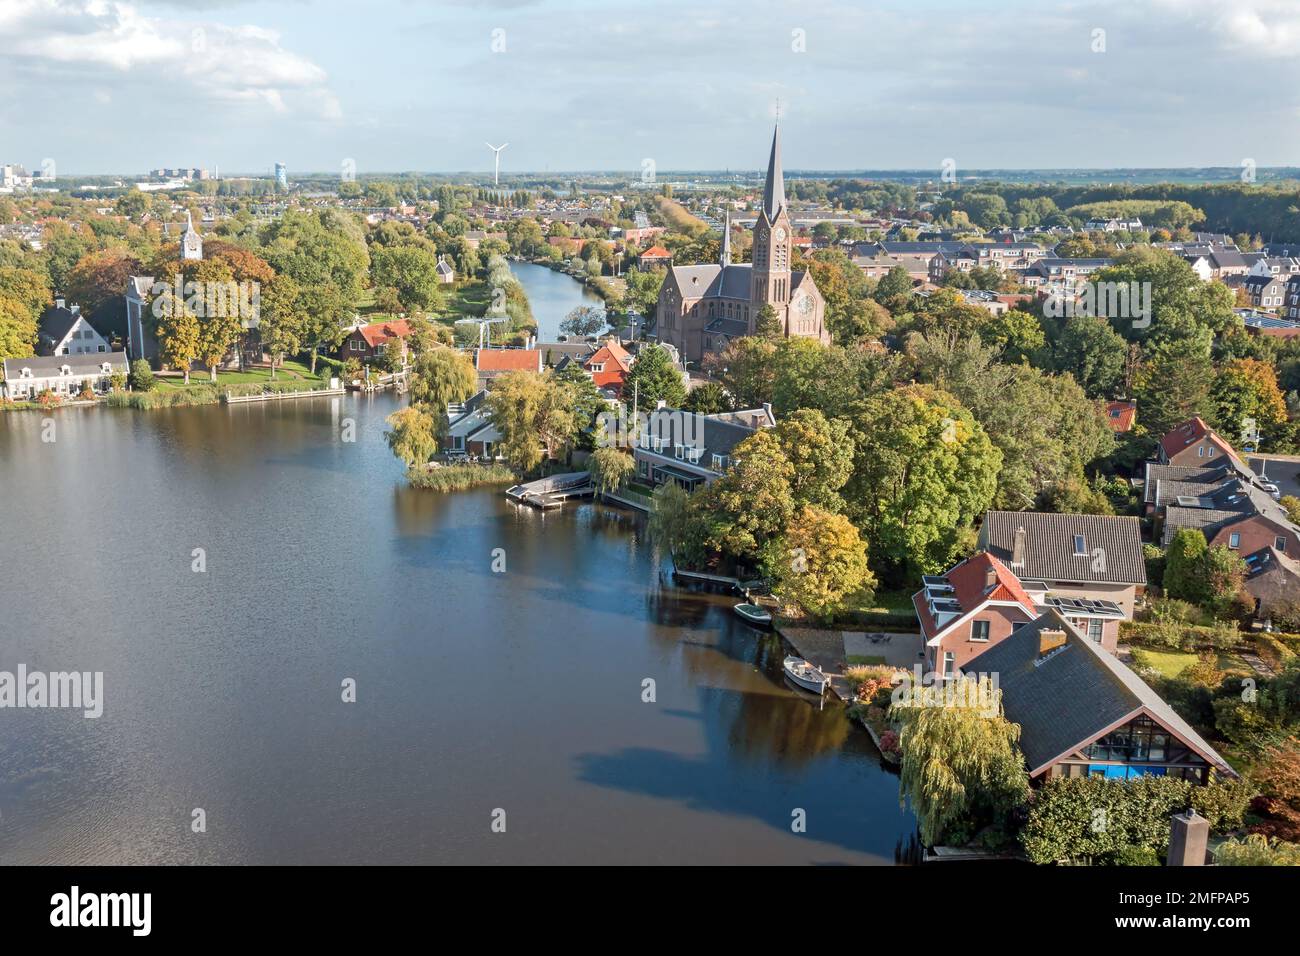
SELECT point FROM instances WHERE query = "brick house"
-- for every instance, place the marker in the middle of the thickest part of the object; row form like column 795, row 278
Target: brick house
column 368, row 342
column 608, row 366
column 1194, row 443
column 1083, row 713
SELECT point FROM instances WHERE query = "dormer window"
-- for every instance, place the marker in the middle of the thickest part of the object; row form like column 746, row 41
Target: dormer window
column 65, row 370
column 1080, row 546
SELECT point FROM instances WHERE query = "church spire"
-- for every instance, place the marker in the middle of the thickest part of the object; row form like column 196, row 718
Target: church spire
column 774, row 188
column 725, row 259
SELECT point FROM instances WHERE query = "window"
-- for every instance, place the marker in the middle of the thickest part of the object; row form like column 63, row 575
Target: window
column 979, row 630
column 1279, row 543
column 1209, row 452
column 1080, row 546
column 1094, row 630
column 1234, row 540
column 1200, row 451
column 949, row 664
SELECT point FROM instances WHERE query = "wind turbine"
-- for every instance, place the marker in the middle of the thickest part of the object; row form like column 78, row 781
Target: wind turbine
column 496, row 152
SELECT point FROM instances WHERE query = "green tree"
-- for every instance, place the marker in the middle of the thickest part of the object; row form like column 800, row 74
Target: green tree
column 923, row 470
column 708, row 399
column 962, row 768
column 820, row 452
column 1090, row 350
column 412, row 434
column 534, row 415
column 582, row 321
column 1184, row 565
column 17, row 329
column 180, row 336
column 440, row 377
column 654, row 378
column 609, row 468
column 141, row 378
column 752, row 502
column 412, row 270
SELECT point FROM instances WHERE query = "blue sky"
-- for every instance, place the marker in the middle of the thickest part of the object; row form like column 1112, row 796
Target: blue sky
column 102, row 86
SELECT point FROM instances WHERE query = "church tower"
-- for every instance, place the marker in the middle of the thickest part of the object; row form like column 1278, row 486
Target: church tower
column 191, row 241
column 772, row 240
column 725, row 259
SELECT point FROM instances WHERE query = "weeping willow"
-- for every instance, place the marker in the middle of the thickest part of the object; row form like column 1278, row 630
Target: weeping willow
column 961, row 763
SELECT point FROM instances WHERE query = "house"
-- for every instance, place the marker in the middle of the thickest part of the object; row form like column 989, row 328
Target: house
column 1060, row 275
column 493, row 362
column 558, row 355
column 1121, row 416
column 656, row 257
column 1113, row 225
column 1273, row 579
column 974, row 604
column 1265, row 292
column 65, row 375
column 608, row 366
column 1083, row 713
column 469, row 427
column 691, row 449
column 1194, row 442
column 446, row 274
column 1090, row 567
column 368, row 342
column 63, row 330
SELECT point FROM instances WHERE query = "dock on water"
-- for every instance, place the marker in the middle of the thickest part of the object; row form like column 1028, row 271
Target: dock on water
column 270, row 396
column 552, row 492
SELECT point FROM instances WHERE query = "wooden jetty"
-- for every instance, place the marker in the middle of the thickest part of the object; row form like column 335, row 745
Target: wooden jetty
column 552, row 492
column 270, row 396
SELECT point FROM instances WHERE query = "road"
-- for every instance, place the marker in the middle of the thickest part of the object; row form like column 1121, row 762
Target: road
column 1282, row 470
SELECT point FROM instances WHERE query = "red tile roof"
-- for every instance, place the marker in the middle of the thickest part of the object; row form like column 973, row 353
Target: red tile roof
column 1190, row 432
column 508, row 360
column 617, row 362
column 1121, row 415
column 377, row 333
column 656, row 252
column 970, row 584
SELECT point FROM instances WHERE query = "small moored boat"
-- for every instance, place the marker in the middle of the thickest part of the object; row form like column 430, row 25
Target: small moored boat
column 754, row 614
column 805, row 675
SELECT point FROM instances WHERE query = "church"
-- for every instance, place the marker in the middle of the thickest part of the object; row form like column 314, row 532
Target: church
column 701, row 308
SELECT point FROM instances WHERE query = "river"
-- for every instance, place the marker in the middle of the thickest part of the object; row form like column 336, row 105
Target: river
column 476, row 691
column 552, row 295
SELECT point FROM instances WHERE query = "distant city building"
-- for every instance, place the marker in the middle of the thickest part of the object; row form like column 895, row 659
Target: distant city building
column 190, row 173
column 281, row 175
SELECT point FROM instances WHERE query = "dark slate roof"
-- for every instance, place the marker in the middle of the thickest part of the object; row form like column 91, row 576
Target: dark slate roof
column 774, row 186
column 1207, row 519
column 714, row 281
column 42, row 366
column 1158, row 475
column 719, row 435
column 1072, row 695
column 1049, row 546
column 732, row 328
column 55, row 323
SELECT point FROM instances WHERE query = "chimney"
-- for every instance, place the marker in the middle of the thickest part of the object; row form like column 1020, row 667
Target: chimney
column 990, row 576
column 60, row 302
column 1018, row 549
column 1189, row 834
column 1049, row 639
column 74, row 309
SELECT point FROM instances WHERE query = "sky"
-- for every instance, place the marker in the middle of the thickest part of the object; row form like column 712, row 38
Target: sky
column 394, row 85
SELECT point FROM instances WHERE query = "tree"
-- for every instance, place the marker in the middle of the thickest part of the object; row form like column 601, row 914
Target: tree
column 17, row 329
column 141, row 378
column 1173, row 382
column 412, row 434
column 1245, row 398
column 100, row 276
column 180, row 337
column 752, row 502
column 219, row 331
column 820, row 452
column 744, row 367
column 961, row 768
column 534, row 415
column 642, row 294
column 923, row 469
column 820, row 563
column 281, row 324
column 441, row 377
column 1184, row 562
column 1018, row 334
column 654, row 378
column 1090, row 350
column 895, row 285
column 411, row 269
column 609, row 468
column 583, row 321
column 711, row 398
column 767, row 324
column 670, row 517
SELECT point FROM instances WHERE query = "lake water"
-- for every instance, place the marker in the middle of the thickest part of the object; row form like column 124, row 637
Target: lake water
column 552, row 295
column 476, row 691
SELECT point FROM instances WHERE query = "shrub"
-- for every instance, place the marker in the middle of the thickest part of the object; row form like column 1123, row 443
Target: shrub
column 868, row 678
column 48, row 399
column 1257, row 850
column 1136, row 856
column 889, row 742
column 141, row 377
column 1223, row 802
column 459, row 477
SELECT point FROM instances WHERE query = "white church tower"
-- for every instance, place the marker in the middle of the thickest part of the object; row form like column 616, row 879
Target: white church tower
column 191, row 241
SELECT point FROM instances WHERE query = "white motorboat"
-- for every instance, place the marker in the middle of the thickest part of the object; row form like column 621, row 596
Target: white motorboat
column 806, row 675
column 754, row 614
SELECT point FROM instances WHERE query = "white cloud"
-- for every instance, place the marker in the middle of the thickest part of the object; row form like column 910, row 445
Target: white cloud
column 232, row 64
